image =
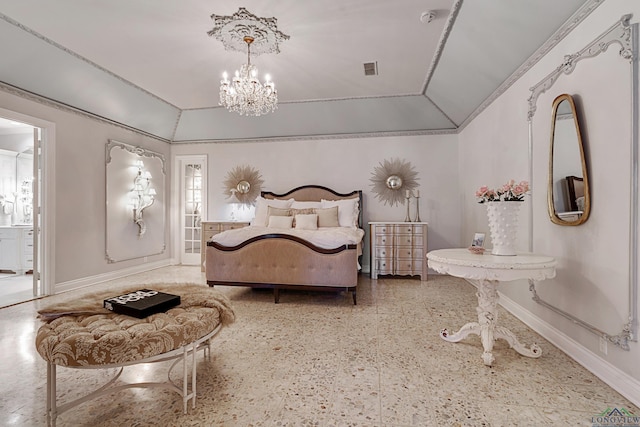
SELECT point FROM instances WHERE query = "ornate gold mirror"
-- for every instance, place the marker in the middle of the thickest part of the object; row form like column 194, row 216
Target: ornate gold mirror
column 568, row 193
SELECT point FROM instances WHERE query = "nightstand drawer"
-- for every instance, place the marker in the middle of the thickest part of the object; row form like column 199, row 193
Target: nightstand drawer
column 412, row 253
column 384, row 266
column 403, row 229
column 382, row 229
column 408, row 240
column 209, row 226
column 383, row 252
column 226, row 227
column 384, row 240
column 408, row 266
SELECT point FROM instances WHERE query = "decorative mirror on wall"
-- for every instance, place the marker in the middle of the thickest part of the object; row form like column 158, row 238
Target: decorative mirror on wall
column 392, row 180
column 569, row 198
column 135, row 202
column 244, row 184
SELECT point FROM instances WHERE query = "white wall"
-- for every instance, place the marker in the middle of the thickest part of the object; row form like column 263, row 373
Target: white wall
column 345, row 165
column 80, row 181
column 592, row 280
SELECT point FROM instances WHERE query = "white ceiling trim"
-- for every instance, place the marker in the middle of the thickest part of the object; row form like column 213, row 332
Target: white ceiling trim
column 455, row 9
column 320, row 137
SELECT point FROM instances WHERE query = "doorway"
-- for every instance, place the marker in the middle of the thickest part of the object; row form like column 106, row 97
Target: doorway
column 22, row 229
column 191, row 184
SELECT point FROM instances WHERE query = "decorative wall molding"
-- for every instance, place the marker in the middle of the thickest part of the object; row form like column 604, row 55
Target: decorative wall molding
column 127, row 237
column 138, row 151
column 620, row 33
column 626, row 36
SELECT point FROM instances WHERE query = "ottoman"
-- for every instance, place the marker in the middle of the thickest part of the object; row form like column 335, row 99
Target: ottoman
column 81, row 334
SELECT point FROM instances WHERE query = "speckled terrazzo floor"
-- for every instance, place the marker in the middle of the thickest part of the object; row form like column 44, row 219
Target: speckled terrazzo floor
column 317, row 360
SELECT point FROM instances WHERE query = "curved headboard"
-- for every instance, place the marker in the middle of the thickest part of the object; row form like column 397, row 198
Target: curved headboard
column 315, row 193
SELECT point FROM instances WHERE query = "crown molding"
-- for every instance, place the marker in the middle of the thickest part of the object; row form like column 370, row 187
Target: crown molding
column 321, row 137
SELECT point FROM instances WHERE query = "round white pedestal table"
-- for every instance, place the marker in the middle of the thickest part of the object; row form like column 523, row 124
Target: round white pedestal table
column 486, row 272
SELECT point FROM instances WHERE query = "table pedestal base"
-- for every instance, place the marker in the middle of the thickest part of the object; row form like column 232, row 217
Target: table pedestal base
column 486, row 326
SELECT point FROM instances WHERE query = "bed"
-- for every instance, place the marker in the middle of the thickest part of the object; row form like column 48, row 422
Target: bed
column 281, row 249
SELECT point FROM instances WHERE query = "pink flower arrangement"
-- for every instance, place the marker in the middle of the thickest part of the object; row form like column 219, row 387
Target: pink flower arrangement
column 509, row 192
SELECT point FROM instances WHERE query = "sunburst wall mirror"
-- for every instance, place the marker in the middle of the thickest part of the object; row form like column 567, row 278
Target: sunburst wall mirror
column 392, row 179
column 244, row 183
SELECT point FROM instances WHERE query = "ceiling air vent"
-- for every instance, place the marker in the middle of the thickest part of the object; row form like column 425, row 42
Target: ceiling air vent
column 371, row 68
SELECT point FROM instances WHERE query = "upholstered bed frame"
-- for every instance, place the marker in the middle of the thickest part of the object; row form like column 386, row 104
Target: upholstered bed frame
column 281, row 261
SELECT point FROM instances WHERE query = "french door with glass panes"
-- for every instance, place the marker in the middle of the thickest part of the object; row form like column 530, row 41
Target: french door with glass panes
column 192, row 206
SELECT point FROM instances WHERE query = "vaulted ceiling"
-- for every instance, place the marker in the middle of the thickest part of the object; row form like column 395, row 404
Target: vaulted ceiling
column 151, row 66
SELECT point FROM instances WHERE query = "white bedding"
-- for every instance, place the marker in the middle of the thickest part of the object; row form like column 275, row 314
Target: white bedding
column 324, row 237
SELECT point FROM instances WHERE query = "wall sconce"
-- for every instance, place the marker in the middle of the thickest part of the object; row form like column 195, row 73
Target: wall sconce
column 141, row 196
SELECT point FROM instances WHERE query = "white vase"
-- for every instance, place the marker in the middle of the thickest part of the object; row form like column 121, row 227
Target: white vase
column 503, row 224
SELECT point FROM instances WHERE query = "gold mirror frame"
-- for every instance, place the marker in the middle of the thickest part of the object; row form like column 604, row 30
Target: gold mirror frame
column 574, row 215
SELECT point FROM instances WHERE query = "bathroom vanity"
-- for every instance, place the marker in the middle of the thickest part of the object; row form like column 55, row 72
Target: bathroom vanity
column 16, row 248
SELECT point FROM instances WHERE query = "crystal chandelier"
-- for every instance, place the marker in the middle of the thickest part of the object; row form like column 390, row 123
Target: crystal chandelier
column 245, row 94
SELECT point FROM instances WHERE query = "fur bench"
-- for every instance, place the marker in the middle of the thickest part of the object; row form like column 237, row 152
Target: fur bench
column 82, row 334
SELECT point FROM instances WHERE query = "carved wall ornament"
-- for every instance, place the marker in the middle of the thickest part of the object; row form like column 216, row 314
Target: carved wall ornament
column 392, row 179
column 619, row 33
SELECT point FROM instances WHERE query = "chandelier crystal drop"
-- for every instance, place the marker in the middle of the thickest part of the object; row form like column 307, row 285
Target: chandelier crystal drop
column 244, row 94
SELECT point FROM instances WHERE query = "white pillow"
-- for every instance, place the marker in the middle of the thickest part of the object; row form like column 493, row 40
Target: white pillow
column 262, row 205
column 348, row 211
column 280, row 221
column 305, row 205
column 307, row 221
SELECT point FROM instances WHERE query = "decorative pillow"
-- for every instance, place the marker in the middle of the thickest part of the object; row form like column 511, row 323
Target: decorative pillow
column 348, row 210
column 280, row 222
column 305, row 211
column 272, row 211
column 328, row 217
column 305, row 205
column 307, row 221
column 261, row 217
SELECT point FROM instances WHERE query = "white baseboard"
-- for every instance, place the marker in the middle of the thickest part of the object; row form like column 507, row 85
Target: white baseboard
column 618, row 380
column 92, row 280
